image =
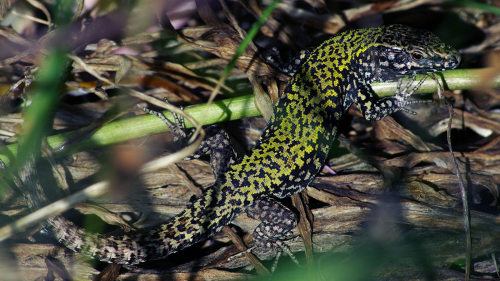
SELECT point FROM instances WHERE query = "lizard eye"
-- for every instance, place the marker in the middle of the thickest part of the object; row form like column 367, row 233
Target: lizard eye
column 416, row 56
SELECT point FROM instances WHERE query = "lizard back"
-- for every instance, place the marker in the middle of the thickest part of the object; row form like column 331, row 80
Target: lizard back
column 295, row 143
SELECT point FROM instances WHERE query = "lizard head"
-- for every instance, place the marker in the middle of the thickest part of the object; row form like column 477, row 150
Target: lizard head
column 400, row 50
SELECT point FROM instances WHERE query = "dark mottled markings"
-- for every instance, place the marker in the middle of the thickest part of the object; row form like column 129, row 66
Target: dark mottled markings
column 293, row 146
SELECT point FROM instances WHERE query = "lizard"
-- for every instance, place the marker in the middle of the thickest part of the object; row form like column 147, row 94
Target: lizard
column 292, row 148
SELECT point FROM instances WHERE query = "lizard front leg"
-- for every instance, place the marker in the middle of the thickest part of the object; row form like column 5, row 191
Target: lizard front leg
column 374, row 108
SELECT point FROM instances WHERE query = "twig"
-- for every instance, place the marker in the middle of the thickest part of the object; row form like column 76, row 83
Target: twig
column 463, row 189
column 93, row 191
column 305, row 227
column 240, row 245
column 465, row 202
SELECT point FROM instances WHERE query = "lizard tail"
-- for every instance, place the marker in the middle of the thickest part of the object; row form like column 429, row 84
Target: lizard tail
column 207, row 215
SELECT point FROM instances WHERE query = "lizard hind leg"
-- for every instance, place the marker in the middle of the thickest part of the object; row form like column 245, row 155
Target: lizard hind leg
column 277, row 222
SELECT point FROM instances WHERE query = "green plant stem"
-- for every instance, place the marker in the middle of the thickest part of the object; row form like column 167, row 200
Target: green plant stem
column 476, row 5
column 456, row 79
column 233, row 109
column 144, row 125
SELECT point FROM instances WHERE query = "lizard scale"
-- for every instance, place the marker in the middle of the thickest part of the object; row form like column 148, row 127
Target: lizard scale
column 293, row 146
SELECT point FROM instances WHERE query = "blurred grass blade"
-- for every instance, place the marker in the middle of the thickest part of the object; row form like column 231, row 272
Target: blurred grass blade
column 44, row 99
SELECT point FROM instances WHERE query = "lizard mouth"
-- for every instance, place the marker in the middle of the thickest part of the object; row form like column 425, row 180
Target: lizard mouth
column 452, row 61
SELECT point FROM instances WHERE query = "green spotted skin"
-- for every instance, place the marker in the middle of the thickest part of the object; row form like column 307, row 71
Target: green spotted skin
column 295, row 143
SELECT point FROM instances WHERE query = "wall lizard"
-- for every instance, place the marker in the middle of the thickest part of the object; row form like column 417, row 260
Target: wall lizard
column 292, row 148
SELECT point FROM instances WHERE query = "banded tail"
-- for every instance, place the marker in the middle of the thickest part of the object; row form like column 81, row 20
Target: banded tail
column 202, row 219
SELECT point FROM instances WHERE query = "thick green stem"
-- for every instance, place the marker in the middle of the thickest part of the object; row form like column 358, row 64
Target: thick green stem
column 144, row 125
column 240, row 107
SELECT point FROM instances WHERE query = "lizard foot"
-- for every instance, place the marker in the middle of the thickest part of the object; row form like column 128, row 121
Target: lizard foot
column 404, row 92
column 177, row 127
column 216, row 143
column 277, row 222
